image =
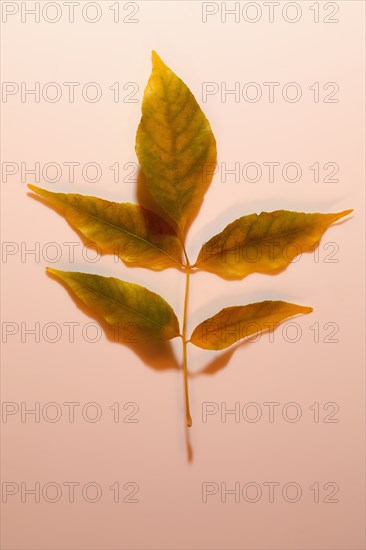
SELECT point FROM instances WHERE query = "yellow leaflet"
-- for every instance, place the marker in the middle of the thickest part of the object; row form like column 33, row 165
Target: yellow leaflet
column 137, row 235
column 237, row 322
column 264, row 243
column 174, row 144
column 123, row 305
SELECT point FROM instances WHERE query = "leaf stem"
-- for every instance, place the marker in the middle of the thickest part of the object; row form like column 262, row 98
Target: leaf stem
column 187, row 264
column 185, row 369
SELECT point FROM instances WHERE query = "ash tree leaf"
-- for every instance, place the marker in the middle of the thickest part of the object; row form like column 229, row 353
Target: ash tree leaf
column 174, row 144
column 123, row 304
column 136, row 235
column 264, row 243
column 234, row 323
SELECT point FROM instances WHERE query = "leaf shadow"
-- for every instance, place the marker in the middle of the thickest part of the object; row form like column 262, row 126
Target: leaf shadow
column 158, row 356
column 189, row 448
column 343, row 220
column 145, row 198
column 219, row 363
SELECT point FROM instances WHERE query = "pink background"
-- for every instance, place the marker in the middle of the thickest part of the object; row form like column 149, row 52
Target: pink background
column 170, row 513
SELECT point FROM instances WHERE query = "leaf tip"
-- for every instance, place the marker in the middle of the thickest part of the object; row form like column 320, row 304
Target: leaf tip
column 156, row 60
column 51, row 271
column 346, row 212
column 342, row 214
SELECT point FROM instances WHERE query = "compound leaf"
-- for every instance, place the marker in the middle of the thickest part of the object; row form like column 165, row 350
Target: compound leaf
column 174, row 144
column 264, row 243
column 137, row 235
column 237, row 322
column 123, row 304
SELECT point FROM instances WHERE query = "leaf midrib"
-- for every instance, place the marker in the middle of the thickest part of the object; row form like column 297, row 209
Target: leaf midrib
column 257, row 240
column 173, row 148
